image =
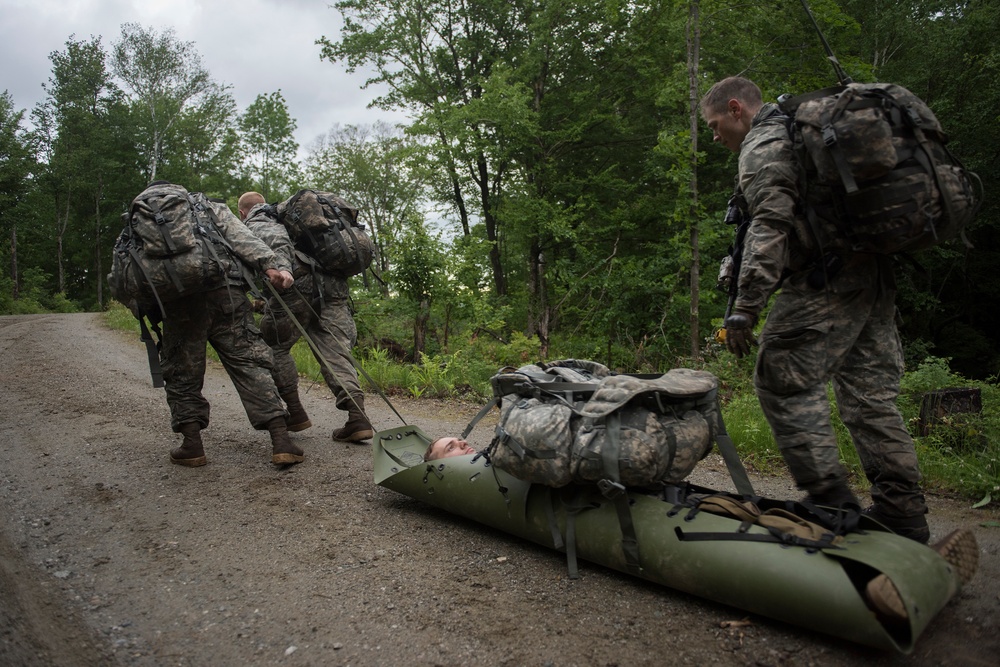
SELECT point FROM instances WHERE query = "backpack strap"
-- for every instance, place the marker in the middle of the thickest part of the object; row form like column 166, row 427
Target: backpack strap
column 612, row 489
column 152, row 347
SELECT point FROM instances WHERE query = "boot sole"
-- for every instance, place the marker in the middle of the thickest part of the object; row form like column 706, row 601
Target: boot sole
column 287, row 459
column 961, row 551
column 190, row 463
column 884, row 597
column 357, row 436
column 301, row 426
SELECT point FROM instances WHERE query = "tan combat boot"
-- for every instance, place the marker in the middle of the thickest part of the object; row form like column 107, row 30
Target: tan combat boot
column 297, row 419
column 358, row 427
column 959, row 548
column 283, row 450
column 191, row 453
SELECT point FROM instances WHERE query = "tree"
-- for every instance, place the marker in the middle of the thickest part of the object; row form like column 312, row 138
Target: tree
column 76, row 129
column 419, row 276
column 164, row 77
column 16, row 166
column 269, row 146
column 202, row 151
column 435, row 56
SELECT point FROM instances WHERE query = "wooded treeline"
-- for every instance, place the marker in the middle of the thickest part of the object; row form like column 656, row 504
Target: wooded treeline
column 553, row 184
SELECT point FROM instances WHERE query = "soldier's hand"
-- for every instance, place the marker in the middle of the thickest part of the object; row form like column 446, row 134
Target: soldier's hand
column 739, row 333
column 280, row 279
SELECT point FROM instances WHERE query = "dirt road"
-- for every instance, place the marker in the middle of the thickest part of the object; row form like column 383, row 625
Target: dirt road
column 110, row 555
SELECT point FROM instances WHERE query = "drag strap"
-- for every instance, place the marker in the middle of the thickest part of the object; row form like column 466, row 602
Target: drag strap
column 574, row 504
column 482, row 413
column 727, row 448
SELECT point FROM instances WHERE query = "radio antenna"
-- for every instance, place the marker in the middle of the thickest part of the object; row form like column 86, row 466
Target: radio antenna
column 838, row 70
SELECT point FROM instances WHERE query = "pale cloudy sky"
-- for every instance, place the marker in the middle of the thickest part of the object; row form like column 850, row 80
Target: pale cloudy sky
column 255, row 46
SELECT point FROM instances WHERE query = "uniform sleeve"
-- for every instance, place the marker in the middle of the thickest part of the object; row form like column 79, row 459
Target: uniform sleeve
column 251, row 250
column 768, row 178
column 274, row 234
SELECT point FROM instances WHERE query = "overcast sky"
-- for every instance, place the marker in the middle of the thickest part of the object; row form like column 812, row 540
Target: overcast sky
column 254, row 46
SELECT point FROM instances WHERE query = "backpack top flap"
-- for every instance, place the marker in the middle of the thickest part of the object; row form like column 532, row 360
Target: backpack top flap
column 163, row 219
column 676, row 385
column 862, row 132
column 315, row 210
column 565, row 376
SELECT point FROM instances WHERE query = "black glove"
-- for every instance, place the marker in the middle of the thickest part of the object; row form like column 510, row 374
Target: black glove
column 739, row 333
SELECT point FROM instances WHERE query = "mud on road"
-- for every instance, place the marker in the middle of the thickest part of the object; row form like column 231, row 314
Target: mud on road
column 110, row 555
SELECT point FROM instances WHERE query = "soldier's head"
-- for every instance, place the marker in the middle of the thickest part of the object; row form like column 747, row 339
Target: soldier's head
column 247, row 201
column 447, row 446
column 728, row 107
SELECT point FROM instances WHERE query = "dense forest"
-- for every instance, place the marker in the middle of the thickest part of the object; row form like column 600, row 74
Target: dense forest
column 554, row 188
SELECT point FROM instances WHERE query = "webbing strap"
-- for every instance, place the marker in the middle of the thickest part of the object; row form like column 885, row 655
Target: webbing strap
column 612, row 489
column 152, row 351
column 830, row 140
column 322, row 359
column 550, row 516
column 774, row 536
column 482, row 413
column 138, row 262
column 727, row 448
column 161, row 226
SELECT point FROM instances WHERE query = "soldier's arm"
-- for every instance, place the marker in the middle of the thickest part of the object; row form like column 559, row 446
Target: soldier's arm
column 768, row 177
column 247, row 246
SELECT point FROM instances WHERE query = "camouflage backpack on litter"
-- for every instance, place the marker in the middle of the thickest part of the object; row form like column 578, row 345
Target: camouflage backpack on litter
column 575, row 421
column 170, row 247
column 326, row 228
column 877, row 175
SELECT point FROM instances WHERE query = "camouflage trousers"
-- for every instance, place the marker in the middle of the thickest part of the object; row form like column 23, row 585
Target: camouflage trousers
column 223, row 318
column 812, row 338
column 329, row 324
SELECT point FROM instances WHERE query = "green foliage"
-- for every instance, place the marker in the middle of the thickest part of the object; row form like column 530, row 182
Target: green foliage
column 35, row 296
column 269, row 146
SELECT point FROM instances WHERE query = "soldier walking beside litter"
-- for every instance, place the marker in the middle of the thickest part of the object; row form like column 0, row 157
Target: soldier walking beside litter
column 319, row 301
column 832, row 321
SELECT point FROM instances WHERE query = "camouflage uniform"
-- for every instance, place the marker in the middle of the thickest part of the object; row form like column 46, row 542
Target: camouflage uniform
column 844, row 332
column 326, row 316
column 221, row 315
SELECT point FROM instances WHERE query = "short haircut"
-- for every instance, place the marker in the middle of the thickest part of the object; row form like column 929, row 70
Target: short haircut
column 430, row 448
column 248, row 200
column 744, row 90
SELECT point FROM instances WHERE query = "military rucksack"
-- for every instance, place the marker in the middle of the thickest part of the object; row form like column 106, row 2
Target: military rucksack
column 170, row 247
column 574, row 421
column 325, row 227
column 877, row 176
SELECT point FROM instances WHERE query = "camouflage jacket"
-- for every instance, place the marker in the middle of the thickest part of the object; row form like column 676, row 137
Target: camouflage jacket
column 267, row 228
column 309, row 278
column 252, row 251
column 779, row 244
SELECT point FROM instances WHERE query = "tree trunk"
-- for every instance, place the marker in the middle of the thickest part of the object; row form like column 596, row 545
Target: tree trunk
column 15, row 283
column 97, row 247
column 540, row 311
column 61, row 226
column 693, row 46
column 420, row 328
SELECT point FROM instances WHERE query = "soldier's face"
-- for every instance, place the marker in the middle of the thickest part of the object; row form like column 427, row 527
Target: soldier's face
column 729, row 127
column 445, row 447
